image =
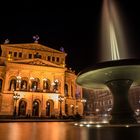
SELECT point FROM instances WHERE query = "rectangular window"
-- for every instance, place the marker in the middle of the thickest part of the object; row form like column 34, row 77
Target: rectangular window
column 20, row 54
column 30, row 56
column 57, row 59
column 15, row 54
column 53, row 58
column 49, row 58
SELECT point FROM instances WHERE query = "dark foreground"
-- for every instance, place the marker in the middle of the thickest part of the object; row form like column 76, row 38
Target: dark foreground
column 64, row 131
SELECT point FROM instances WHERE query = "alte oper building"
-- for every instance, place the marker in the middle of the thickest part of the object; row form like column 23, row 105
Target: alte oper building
column 34, row 81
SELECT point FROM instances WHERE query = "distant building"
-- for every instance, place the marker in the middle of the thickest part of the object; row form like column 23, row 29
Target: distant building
column 100, row 101
column 32, row 78
column 134, row 96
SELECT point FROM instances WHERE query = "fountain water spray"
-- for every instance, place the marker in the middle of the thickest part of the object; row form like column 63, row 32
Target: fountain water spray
column 113, row 44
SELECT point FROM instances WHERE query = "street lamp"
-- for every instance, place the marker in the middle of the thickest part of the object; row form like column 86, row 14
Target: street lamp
column 97, row 111
column 83, row 101
column 60, row 99
column 137, row 112
column 15, row 97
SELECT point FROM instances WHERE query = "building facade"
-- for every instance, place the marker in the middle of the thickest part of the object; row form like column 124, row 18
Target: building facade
column 100, row 101
column 34, row 81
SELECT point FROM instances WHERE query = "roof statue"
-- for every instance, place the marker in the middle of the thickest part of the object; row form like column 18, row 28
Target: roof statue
column 36, row 38
column 6, row 41
column 62, row 49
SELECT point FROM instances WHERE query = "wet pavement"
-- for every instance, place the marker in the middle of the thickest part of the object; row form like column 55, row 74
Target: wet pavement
column 66, row 131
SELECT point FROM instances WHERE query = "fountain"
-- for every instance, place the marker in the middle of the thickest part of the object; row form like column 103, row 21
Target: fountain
column 116, row 72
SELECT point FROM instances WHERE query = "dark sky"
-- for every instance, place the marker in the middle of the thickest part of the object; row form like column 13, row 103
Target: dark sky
column 77, row 29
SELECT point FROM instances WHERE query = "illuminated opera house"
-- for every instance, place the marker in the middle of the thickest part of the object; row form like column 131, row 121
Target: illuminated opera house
column 34, row 81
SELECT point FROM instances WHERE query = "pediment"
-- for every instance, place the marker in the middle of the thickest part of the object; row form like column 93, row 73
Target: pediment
column 38, row 62
column 33, row 46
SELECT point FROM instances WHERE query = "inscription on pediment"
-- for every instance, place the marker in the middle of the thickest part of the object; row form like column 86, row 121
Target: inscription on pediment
column 37, row 63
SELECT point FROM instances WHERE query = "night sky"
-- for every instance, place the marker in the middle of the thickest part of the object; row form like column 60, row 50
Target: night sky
column 77, row 29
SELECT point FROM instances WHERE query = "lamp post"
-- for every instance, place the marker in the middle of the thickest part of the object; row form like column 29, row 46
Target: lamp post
column 97, row 111
column 60, row 99
column 83, row 101
column 15, row 97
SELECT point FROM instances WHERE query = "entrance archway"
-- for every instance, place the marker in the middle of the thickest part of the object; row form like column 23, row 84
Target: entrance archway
column 22, row 108
column 49, row 107
column 12, row 85
column 35, row 109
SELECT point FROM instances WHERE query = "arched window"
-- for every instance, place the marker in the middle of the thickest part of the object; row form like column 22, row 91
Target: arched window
column 55, row 85
column 1, row 84
column 66, row 90
column 23, row 85
column 34, row 84
column 35, row 109
column 46, row 84
column 12, row 85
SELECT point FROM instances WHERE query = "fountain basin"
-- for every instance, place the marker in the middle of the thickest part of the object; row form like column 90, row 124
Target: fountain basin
column 118, row 76
column 98, row 75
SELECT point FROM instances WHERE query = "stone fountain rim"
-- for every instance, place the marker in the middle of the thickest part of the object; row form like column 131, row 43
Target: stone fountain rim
column 112, row 63
column 98, row 75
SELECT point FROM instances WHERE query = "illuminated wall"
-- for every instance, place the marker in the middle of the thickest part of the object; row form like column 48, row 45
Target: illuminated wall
column 38, row 75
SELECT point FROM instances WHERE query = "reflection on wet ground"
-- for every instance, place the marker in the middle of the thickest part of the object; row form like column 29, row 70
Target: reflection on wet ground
column 65, row 131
